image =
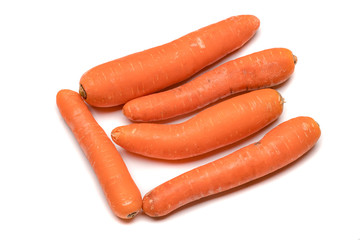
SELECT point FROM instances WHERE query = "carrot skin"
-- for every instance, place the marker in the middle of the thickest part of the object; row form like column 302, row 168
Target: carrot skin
column 214, row 127
column 262, row 69
column 118, row 81
column 119, row 188
column 278, row 148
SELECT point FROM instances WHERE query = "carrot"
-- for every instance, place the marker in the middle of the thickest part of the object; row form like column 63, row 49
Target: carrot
column 258, row 70
column 118, row 81
column 120, row 190
column 281, row 146
column 214, row 127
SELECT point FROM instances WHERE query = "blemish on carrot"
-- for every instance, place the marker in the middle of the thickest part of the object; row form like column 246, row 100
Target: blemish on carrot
column 257, row 143
column 200, row 42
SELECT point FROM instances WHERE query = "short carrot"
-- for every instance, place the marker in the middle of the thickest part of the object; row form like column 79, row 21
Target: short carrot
column 279, row 147
column 120, row 190
column 118, row 81
column 214, row 127
column 258, row 70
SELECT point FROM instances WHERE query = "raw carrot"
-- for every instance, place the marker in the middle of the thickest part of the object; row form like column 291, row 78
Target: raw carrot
column 281, row 146
column 120, row 190
column 258, row 70
column 118, row 81
column 214, row 127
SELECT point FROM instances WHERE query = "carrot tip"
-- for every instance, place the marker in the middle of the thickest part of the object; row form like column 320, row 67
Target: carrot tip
column 282, row 100
column 82, row 92
column 295, row 59
column 114, row 135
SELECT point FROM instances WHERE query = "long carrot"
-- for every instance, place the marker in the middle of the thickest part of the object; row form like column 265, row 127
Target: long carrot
column 281, row 146
column 120, row 190
column 118, row 81
column 258, row 70
column 214, row 127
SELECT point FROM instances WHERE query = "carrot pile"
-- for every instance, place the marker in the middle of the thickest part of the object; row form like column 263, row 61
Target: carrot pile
column 134, row 81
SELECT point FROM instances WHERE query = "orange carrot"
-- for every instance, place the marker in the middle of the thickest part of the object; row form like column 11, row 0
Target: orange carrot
column 258, row 70
column 217, row 126
column 118, row 81
column 120, row 190
column 281, row 146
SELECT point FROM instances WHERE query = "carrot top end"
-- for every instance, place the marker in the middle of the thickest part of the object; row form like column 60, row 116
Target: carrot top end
column 82, row 92
column 132, row 215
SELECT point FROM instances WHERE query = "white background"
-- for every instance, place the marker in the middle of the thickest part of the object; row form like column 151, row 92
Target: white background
column 48, row 189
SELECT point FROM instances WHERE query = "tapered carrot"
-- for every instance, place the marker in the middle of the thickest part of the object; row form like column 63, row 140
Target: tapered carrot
column 118, row 81
column 258, row 70
column 120, row 190
column 215, row 127
column 281, row 146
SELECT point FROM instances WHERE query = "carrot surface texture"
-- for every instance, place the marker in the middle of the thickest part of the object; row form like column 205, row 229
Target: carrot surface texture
column 214, row 127
column 258, row 70
column 118, row 81
column 120, row 190
column 279, row 147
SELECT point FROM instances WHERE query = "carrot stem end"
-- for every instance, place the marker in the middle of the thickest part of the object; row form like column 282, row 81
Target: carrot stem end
column 82, row 92
column 131, row 215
